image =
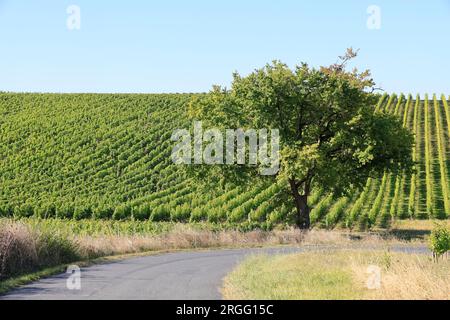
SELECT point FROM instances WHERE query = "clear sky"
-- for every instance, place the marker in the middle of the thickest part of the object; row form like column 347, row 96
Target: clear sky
column 187, row 46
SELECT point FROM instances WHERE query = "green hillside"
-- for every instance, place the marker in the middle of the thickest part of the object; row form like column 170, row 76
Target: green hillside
column 108, row 156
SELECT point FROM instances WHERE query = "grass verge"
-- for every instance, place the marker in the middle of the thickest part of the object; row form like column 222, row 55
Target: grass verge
column 338, row 276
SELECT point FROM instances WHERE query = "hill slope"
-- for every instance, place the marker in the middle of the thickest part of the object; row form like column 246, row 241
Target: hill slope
column 108, row 156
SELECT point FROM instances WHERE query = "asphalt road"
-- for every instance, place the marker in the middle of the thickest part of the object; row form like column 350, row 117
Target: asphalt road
column 182, row 275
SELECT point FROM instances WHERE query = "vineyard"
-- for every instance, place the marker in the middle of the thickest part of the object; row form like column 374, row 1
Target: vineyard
column 108, row 157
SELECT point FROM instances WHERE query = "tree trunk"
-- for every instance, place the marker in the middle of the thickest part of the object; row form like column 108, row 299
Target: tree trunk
column 303, row 220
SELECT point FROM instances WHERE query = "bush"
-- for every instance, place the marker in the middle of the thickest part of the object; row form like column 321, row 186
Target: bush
column 102, row 212
column 217, row 215
column 279, row 215
column 142, row 212
column 198, row 215
column 260, row 214
column 238, row 215
column 81, row 213
column 320, row 209
column 46, row 211
column 24, row 211
column 122, row 212
column 161, row 213
column 181, row 213
column 336, row 212
column 440, row 240
column 363, row 222
column 64, row 212
column 6, row 210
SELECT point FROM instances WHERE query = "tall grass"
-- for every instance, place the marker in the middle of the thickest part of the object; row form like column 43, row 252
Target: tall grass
column 23, row 249
column 330, row 275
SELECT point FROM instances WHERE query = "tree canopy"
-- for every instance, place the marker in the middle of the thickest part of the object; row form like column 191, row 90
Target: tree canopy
column 331, row 137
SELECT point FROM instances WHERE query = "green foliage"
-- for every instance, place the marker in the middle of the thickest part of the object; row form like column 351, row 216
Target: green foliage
column 377, row 205
column 102, row 212
column 122, row 212
column 336, row 212
column 279, row 215
column 107, row 157
column 182, row 213
column 160, row 213
column 412, row 207
column 440, row 240
column 142, row 212
column 23, row 211
column 428, row 162
column 442, row 159
column 198, row 215
column 331, row 138
column 81, row 213
column 64, row 211
column 364, row 222
column 319, row 211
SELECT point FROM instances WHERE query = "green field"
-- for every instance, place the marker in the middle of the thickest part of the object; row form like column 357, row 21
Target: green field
column 105, row 156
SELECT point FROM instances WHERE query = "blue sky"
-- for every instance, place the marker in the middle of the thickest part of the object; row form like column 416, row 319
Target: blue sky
column 187, row 46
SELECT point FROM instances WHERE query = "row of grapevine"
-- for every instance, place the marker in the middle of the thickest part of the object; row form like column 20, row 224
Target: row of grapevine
column 428, row 160
column 108, row 157
column 442, row 156
column 412, row 203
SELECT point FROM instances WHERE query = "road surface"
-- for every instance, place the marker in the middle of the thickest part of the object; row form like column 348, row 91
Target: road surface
column 173, row 276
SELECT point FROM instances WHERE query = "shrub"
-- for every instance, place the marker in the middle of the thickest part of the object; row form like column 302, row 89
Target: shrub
column 320, row 209
column 198, row 215
column 278, row 215
column 81, row 213
column 24, row 211
column 64, row 212
column 238, row 215
column 45, row 211
column 142, row 212
column 160, row 213
column 336, row 212
column 217, row 215
column 440, row 240
column 102, row 212
column 6, row 210
column 181, row 213
column 122, row 212
column 260, row 214
column 363, row 222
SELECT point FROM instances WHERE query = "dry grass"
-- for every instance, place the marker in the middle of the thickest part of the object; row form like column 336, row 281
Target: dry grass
column 405, row 277
column 339, row 275
column 185, row 237
column 418, row 225
column 24, row 250
column 17, row 248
